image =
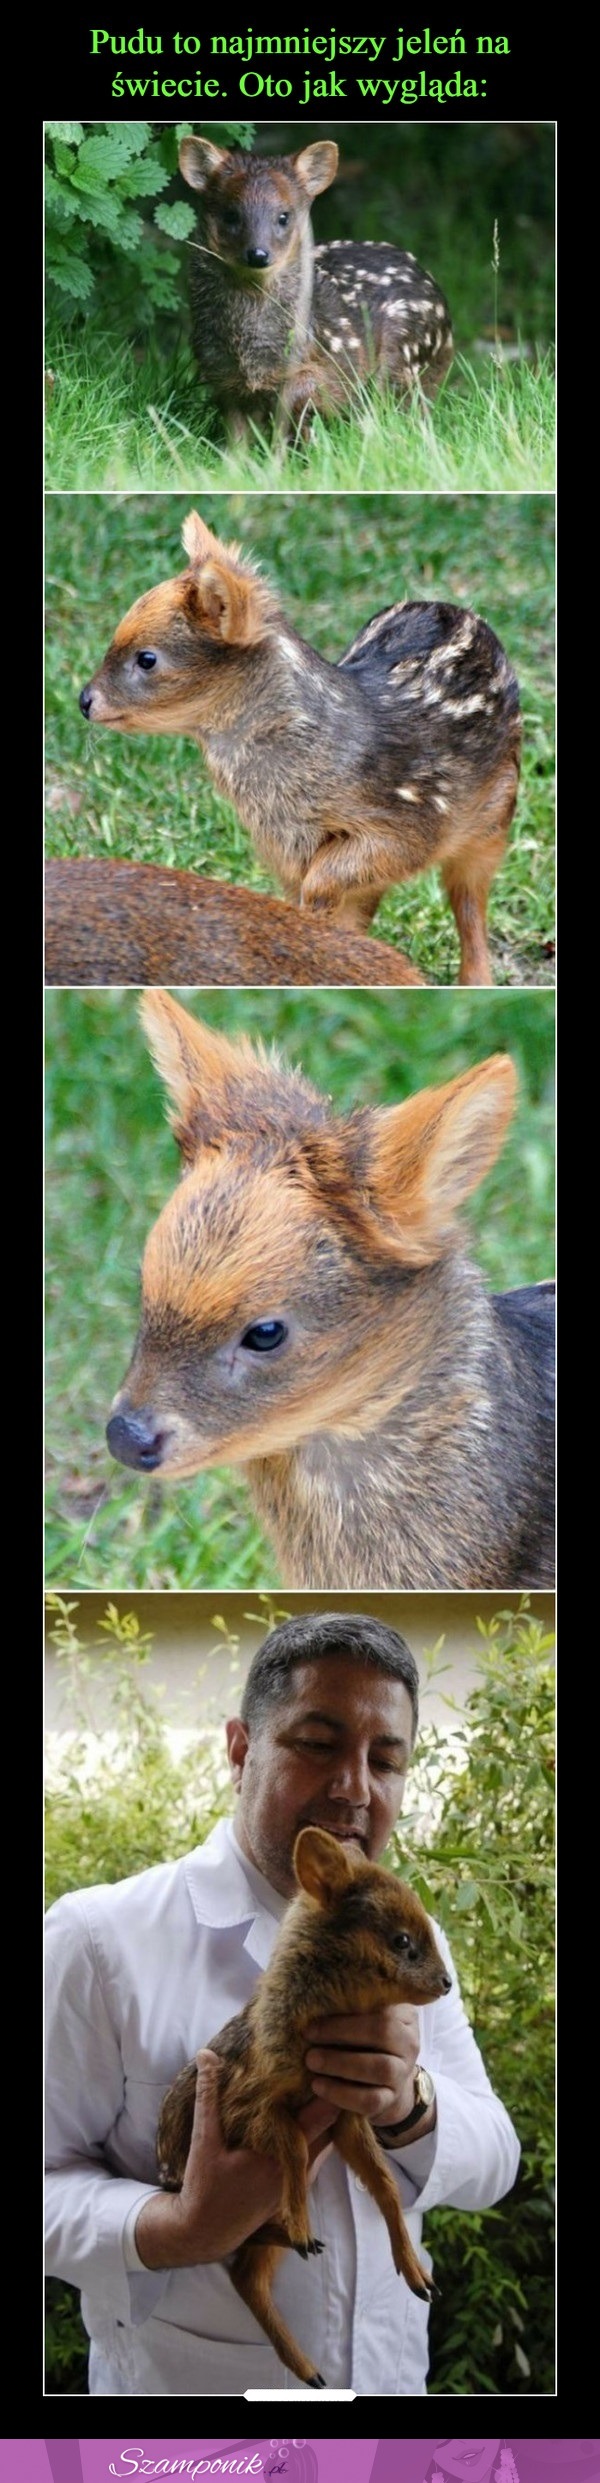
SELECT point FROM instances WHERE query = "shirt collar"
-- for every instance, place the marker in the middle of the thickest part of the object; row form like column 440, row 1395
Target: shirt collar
column 226, row 1889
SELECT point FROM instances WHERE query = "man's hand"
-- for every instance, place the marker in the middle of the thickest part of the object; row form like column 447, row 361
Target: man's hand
column 367, row 2064
column 226, row 2192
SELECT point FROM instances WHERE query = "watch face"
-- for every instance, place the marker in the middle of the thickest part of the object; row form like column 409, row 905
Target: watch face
column 423, row 2087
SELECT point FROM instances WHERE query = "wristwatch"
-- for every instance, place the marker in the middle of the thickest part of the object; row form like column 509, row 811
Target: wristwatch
column 424, row 2096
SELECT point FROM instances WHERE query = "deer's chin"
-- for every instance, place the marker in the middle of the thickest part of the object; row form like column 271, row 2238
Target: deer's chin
column 185, row 1462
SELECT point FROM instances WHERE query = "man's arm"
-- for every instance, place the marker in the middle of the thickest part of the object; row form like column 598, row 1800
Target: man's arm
column 88, row 2205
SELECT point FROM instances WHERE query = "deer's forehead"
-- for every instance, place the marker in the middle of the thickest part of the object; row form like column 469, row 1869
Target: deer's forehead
column 228, row 1232
column 150, row 613
column 253, row 183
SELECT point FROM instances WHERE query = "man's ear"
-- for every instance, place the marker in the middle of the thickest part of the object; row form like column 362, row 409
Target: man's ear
column 237, row 1739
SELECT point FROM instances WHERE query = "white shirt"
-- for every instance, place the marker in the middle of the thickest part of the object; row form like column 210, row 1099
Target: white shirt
column 141, row 1975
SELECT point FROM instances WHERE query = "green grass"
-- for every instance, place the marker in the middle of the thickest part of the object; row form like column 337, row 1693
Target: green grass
column 111, row 1166
column 334, row 564
column 118, row 424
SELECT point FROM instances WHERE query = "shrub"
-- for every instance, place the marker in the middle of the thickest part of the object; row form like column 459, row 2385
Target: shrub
column 105, row 239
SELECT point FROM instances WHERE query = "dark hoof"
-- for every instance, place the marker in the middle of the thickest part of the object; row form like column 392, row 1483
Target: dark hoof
column 318, row 2382
column 314, row 2249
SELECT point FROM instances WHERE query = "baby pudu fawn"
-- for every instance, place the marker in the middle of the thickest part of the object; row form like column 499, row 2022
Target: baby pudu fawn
column 279, row 327
column 349, row 776
column 136, row 922
column 354, row 1939
column 308, row 1312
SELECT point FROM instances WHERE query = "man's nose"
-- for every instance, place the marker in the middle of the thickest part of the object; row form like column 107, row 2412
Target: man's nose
column 349, row 1780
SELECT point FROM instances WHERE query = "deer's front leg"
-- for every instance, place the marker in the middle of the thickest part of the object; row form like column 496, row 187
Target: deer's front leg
column 357, row 2142
column 348, row 875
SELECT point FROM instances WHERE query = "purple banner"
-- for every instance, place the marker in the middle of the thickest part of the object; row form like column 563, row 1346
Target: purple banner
column 468, row 2460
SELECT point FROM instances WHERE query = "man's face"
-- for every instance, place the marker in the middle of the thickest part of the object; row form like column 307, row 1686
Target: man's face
column 333, row 1753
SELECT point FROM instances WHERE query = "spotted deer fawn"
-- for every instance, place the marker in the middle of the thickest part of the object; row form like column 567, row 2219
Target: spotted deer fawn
column 281, row 327
column 308, row 1313
column 350, row 776
column 353, row 1939
column 135, row 922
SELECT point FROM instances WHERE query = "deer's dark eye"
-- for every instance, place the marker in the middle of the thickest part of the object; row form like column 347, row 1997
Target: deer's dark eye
column 146, row 660
column 403, row 1941
column 264, row 1336
column 284, row 217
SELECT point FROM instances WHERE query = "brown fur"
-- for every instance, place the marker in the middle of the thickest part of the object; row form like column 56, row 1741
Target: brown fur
column 281, row 329
column 399, row 1433
column 350, row 777
column 135, row 922
column 354, row 1939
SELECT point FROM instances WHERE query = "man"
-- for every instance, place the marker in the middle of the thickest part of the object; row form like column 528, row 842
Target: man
column 142, row 1973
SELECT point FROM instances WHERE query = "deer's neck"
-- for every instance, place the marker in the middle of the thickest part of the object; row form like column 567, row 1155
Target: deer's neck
column 433, row 1491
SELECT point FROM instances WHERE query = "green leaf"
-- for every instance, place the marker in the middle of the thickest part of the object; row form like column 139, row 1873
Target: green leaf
column 107, row 154
column 71, row 132
column 466, row 1896
column 70, row 272
column 142, row 180
column 177, row 220
column 64, row 158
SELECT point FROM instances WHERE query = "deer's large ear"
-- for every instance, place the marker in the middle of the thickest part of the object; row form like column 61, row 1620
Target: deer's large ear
column 200, row 1069
column 322, row 1866
column 393, row 1180
column 315, row 167
column 198, row 159
column 223, row 595
column 427, row 1154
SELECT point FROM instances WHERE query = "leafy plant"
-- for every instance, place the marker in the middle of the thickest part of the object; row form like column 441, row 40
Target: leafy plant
column 486, row 1869
column 105, row 241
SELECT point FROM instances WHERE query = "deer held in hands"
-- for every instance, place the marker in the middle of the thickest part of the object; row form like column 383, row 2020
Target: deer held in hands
column 309, row 1313
column 353, row 1939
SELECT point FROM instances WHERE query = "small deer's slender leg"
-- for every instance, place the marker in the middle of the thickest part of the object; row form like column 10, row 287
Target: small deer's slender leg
column 358, row 2144
column 252, row 2271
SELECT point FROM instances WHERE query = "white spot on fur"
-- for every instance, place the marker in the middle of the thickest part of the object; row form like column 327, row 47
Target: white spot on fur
column 465, row 706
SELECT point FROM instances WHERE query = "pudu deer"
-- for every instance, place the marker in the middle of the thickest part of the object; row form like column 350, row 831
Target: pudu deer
column 350, row 776
column 281, row 328
column 353, row 1939
column 308, row 1313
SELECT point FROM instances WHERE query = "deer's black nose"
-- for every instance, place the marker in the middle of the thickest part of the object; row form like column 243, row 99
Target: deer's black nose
column 446, row 1982
column 136, row 1439
column 85, row 699
column 257, row 258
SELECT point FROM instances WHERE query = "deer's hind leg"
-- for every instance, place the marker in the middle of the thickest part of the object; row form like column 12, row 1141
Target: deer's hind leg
column 358, row 2144
column 468, row 872
column 252, row 2271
